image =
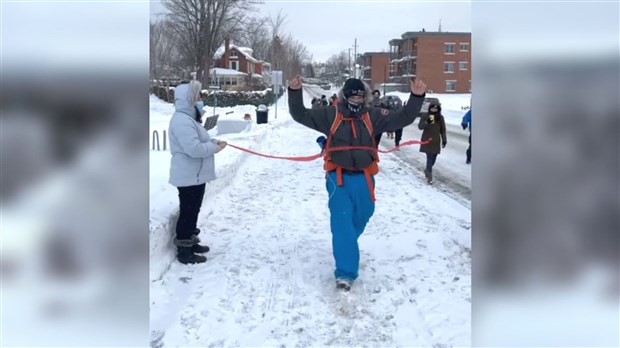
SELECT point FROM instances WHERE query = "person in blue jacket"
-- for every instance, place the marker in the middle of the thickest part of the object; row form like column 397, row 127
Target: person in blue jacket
column 465, row 123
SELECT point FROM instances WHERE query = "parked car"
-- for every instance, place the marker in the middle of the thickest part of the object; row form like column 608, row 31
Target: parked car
column 427, row 102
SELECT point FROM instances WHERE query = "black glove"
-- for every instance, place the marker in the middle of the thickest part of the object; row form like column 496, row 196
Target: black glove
column 464, row 125
column 444, row 144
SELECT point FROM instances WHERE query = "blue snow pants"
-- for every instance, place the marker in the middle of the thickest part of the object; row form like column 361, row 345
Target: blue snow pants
column 350, row 209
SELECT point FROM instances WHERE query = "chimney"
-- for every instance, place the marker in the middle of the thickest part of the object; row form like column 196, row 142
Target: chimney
column 226, row 53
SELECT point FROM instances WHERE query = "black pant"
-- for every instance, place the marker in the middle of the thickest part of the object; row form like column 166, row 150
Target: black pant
column 378, row 139
column 430, row 161
column 190, row 198
column 398, row 137
column 468, row 153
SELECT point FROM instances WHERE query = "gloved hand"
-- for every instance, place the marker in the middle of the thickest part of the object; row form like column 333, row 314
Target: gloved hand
column 444, row 144
column 464, row 125
column 321, row 141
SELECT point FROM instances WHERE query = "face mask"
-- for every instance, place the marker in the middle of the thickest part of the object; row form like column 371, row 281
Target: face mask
column 353, row 106
column 200, row 105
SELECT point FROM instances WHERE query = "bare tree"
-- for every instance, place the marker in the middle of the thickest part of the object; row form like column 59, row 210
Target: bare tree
column 337, row 63
column 200, row 27
column 155, row 37
column 296, row 56
column 256, row 34
column 277, row 23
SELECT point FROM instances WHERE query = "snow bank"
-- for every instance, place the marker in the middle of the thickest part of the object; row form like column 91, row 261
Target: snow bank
column 227, row 126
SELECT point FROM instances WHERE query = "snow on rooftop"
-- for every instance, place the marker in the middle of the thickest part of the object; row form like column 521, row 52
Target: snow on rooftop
column 227, row 72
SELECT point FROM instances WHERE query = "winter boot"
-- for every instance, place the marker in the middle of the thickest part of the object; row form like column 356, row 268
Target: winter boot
column 185, row 255
column 343, row 284
column 197, row 248
column 429, row 175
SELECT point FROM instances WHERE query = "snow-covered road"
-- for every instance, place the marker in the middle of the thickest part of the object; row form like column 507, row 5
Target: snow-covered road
column 269, row 277
column 450, row 174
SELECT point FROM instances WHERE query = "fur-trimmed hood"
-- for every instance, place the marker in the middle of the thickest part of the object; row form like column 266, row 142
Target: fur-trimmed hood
column 368, row 100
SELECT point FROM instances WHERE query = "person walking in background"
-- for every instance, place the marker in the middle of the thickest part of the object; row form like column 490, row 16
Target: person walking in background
column 433, row 126
column 466, row 123
column 316, row 103
column 333, row 100
column 377, row 102
column 192, row 165
column 398, row 134
column 350, row 174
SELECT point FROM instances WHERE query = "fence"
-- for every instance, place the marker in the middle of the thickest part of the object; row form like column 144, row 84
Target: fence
column 155, row 140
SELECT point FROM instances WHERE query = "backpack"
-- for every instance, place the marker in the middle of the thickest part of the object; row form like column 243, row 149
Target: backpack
column 330, row 166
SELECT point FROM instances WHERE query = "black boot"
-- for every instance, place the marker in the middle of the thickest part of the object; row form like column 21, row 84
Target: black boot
column 197, row 248
column 185, row 253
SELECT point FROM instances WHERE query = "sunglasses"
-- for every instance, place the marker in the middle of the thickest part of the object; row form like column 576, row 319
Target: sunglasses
column 358, row 92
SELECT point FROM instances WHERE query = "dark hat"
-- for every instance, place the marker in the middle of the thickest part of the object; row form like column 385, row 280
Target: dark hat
column 376, row 91
column 354, row 87
column 434, row 105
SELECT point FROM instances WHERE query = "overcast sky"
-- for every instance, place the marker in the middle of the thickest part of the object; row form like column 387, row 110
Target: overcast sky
column 329, row 27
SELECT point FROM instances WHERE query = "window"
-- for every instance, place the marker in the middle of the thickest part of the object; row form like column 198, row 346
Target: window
column 463, row 65
column 464, row 46
column 233, row 81
column 233, row 65
column 448, row 67
column 233, row 53
column 450, row 85
column 449, row 48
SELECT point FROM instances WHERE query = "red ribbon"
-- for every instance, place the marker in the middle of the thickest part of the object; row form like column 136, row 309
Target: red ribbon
column 334, row 148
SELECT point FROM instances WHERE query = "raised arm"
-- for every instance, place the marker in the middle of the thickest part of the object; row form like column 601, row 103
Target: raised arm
column 317, row 119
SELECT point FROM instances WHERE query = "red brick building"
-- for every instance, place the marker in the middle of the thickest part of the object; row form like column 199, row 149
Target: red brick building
column 237, row 67
column 374, row 66
column 441, row 59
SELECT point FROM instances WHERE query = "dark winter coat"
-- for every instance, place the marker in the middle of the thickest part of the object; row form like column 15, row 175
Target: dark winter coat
column 435, row 130
column 382, row 120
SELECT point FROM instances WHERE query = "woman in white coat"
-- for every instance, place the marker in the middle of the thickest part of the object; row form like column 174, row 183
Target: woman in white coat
column 192, row 166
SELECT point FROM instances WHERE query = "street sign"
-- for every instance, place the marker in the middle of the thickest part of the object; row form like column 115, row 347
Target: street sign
column 276, row 77
column 215, row 87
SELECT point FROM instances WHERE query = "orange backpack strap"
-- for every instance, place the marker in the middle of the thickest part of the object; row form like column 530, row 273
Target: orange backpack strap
column 368, row 123
column 329, row 166
column 371, row 187
column 336, row 123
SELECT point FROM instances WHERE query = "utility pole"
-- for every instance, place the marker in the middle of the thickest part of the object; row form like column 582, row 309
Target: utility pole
column 385, row 79
column 349, row 63
column 355, row 62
